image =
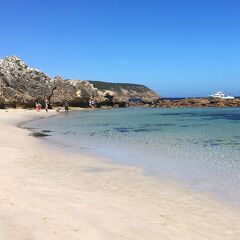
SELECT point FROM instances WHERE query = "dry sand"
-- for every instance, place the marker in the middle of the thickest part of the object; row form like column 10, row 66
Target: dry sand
column 49, row 194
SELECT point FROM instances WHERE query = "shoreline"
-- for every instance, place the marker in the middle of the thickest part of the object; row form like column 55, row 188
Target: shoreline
column 172, row 167
column 49, row 194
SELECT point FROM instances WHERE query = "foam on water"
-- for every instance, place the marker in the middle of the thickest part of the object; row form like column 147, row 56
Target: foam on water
column 199, row 146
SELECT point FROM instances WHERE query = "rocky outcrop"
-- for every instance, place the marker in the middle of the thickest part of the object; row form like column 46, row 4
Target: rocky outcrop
column 22, row 85
column 190, row 103
column 62, row 91
column 80, row 91
column 75, row 92
column 122, row 92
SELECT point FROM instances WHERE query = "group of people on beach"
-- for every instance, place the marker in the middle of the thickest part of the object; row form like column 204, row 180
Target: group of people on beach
column 38, row 105
column 66, row 107
column 92, row 104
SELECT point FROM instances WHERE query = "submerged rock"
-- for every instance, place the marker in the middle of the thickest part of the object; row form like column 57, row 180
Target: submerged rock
column 38, row 134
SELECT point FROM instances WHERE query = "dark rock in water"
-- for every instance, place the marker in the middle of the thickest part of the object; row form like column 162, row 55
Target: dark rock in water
column 38, row 134
column 46, row 131
column 141, row 130
column 197, row 103
column 122, row 130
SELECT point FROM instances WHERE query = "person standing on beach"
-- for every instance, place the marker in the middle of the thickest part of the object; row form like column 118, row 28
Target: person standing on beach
column 38, row 106
column 92, row 103
column 46, row 104
column 66, row 105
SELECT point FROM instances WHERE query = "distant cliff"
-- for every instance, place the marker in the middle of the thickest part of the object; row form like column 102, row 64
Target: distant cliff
column 21, row 85
column 125, row 91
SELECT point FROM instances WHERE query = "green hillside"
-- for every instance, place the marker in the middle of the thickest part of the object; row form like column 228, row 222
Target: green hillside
column 118, row 86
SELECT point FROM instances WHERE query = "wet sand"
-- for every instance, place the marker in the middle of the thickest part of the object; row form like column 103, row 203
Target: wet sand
column 52, row 194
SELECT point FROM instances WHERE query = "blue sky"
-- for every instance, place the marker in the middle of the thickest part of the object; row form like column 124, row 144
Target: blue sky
column 177, row 48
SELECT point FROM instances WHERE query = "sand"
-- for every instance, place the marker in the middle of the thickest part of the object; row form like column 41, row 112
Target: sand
column 47, row 193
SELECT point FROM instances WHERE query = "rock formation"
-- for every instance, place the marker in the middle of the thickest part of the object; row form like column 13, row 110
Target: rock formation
column 122, row 92
column 22, row 85
column 195, row 103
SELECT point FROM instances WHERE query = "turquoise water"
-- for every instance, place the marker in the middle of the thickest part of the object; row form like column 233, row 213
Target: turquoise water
column 198, row 146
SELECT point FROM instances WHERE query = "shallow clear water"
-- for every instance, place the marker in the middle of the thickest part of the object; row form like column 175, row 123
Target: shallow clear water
column 198, row 146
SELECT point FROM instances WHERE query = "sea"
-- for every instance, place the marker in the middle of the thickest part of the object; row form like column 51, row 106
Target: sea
column 199, row 147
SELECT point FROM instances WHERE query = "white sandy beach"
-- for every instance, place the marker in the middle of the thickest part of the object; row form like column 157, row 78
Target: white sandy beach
column 50, row 194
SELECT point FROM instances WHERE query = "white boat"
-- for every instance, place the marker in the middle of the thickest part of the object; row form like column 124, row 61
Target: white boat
column 221, row 95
